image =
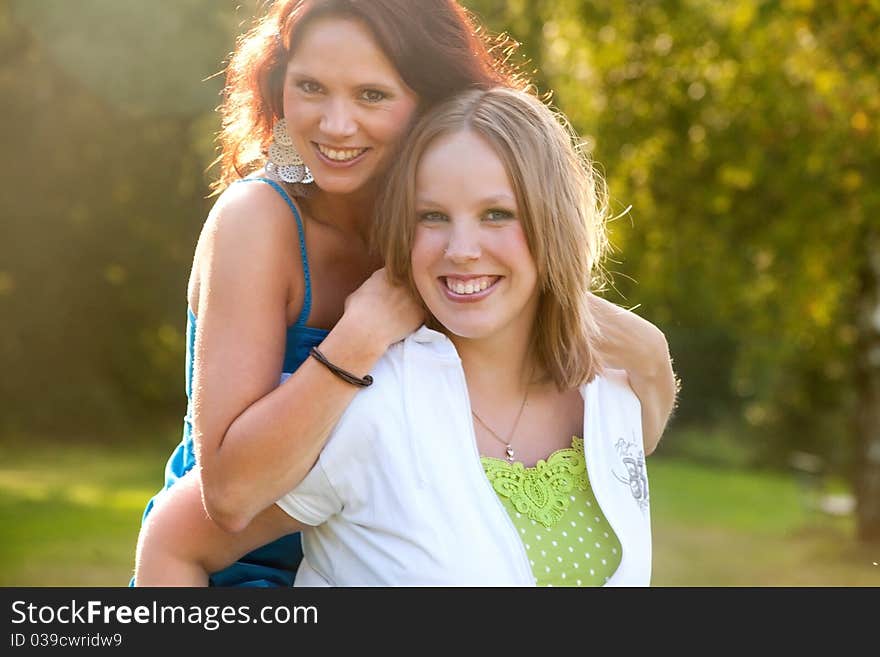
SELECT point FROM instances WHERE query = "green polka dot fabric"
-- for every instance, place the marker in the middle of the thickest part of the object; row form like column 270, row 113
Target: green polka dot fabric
column 566, row 536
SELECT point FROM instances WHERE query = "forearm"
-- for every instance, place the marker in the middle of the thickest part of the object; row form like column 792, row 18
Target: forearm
column 655, row 385
column 629, row 342
column 271, row 446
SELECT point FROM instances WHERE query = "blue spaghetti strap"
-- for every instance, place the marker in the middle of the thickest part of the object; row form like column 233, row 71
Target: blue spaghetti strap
column 307, row 300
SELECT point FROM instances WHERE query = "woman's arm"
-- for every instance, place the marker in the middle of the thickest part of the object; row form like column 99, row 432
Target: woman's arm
column 630, row 343
column 257, row 440
column 179, row 544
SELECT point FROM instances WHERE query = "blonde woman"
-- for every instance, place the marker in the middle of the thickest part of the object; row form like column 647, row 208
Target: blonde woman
column 492, row 448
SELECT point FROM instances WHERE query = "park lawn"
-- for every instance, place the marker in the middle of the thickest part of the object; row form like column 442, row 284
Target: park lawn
column 722, row 527
column 69, row 516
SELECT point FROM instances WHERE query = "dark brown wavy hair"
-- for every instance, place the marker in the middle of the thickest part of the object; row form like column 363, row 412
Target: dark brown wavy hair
column 437, row 47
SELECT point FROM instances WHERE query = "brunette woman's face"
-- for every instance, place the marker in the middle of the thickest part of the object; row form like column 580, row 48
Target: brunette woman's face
column 345, row 104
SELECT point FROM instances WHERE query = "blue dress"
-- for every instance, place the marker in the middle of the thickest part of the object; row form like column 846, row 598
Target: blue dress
column 274, row 564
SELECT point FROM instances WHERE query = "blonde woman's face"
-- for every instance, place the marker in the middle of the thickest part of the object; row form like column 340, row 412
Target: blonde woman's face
column 470, row 260
column 345, row 104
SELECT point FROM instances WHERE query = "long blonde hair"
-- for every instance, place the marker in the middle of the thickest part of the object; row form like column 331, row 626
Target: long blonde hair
column 562, row 205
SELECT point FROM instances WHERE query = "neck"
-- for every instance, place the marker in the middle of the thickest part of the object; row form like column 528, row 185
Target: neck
column 351, row 213
column 496, row 370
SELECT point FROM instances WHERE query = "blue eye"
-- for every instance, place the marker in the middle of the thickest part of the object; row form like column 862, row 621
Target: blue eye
column 496, row 214
column 432, row 217
column 373, row 95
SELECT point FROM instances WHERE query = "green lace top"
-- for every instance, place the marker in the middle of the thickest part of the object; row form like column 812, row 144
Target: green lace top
column 567, row 538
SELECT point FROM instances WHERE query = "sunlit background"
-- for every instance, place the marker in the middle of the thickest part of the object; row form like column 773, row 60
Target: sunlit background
column 744, row 134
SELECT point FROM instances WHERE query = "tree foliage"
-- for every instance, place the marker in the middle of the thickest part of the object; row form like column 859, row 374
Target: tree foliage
column 107, row 129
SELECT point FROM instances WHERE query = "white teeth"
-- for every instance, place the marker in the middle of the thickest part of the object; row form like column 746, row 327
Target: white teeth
column 471, row 286
column 340, row 155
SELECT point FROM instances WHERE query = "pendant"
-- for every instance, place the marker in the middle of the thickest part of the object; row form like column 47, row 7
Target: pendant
column 509, row 453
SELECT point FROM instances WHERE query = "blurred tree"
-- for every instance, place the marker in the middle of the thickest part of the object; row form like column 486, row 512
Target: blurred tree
column 145, row 58
column 108, row 128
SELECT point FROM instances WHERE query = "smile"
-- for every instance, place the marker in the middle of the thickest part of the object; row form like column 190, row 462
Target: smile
column 471, row 289
column 340, row 155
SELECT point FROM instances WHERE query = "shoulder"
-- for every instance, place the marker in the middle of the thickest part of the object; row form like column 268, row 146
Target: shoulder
column 385, row 394
column 250, row 210
column 381, row 406
column 371, row 425
column 613, row 394
column 250, row 224
column 247, row 240
column 614, row 379
column 406, row 370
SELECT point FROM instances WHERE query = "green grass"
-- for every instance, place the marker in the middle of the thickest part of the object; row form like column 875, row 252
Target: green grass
column 721, row 527
column 69, row 516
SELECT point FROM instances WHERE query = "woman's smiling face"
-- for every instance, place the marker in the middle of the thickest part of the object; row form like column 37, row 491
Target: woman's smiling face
column 471, row 262
column 345, row 104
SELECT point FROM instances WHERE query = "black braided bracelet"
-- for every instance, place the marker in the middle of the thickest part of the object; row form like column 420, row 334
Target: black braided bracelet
column 338, row 371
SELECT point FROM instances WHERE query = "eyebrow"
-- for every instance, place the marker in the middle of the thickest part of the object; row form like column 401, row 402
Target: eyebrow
column 488, row 200
column 295, row 73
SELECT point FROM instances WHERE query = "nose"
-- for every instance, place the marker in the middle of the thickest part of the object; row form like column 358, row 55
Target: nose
column 337, row 119
column 464, row 244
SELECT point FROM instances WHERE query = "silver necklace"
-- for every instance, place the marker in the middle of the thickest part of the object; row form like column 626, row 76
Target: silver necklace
column 507, row 443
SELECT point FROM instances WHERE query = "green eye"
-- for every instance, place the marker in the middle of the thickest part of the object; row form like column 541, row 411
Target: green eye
column 499, row 215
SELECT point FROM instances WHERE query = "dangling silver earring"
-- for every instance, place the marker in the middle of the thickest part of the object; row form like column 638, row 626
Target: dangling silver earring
column 284, row 162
